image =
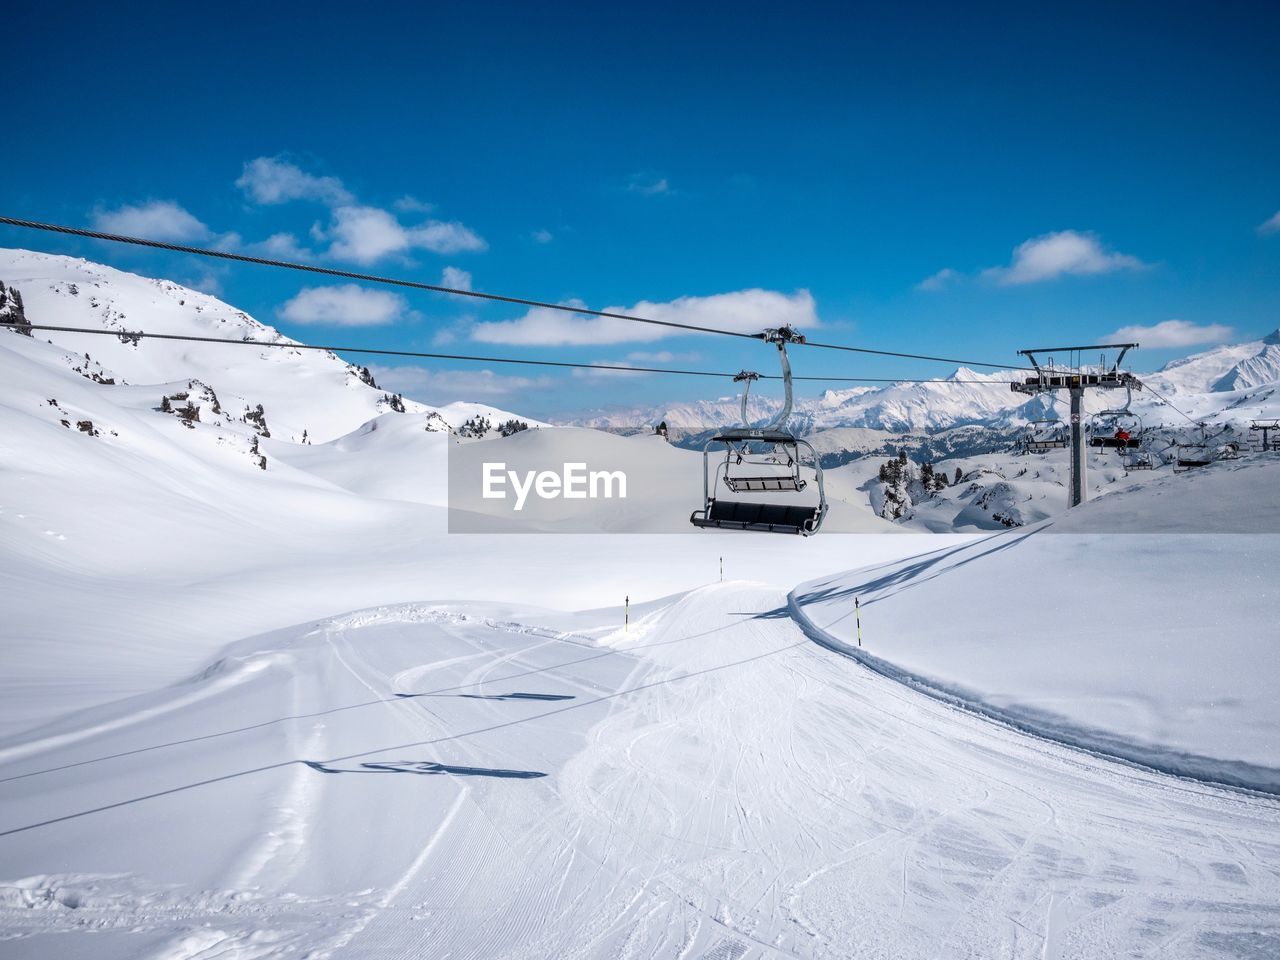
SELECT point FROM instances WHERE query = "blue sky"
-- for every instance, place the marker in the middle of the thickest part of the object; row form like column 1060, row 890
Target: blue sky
column 1060, row 174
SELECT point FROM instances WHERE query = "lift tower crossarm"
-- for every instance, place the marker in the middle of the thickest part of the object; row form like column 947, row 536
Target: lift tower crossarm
column 1122, row 347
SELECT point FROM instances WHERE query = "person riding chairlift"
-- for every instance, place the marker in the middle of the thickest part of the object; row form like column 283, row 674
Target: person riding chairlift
column 1122, row 435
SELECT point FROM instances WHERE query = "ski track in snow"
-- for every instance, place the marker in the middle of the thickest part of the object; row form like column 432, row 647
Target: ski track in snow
column 714, row 785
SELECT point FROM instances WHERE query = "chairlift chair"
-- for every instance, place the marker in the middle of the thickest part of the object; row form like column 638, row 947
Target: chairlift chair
column 1191, row 456
column 1138, row 460
column 763, row 459
column 1117, row 429
column 1044, row 435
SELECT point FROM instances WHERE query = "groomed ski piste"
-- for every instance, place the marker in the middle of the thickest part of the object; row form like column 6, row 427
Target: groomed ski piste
column 260, row 713
column 438, row 780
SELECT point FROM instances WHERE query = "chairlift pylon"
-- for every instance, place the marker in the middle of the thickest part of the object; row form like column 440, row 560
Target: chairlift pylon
column 764, row 459
column 1264, row 436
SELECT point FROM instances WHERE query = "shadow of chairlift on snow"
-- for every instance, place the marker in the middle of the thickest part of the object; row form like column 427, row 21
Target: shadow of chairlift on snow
column 427, row 768
column 540, row 697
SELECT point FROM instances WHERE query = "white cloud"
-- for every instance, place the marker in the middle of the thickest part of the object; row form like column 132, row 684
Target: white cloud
column 156, row 220
column 411, row 204
column 272, row 180
column 455, row 278
column 1055, row 254
column 662, row 356
column 1172, row 333
column 745, row 311
column 444, row 386
column 1270, row 226
column 545, row 236
column 282, row 246
column 368, row 234
column 365, row 234
column 441, row 237
column 598, row 374
column 345, row 305
column 208, row 283
column 648, row 185
column 940, row 280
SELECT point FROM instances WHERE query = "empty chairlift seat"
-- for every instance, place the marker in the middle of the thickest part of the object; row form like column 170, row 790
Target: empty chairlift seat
column 763, row 517
column 762, row 459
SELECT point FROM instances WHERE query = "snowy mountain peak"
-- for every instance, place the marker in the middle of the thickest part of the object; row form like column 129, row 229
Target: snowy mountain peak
column 1223, row 369
column 311, row 392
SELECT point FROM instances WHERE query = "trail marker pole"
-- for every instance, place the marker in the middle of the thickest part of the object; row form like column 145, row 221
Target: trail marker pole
column 857, row 618
column 626, row 615
column 722, row 569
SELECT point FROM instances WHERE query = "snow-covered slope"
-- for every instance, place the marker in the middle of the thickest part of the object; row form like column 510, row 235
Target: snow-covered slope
column 300, row 390
column 1091, row 630
column 491, row 781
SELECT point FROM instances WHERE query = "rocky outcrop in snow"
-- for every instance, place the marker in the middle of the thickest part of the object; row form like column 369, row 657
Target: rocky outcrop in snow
column 11, row 310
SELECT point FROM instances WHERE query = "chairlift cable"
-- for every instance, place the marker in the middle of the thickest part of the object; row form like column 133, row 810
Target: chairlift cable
column 417, row 354
column 1165, row 400
column 457, row 292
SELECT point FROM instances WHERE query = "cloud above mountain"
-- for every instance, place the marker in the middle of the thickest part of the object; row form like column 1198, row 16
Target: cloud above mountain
column 743, row 311
column 1046, row 257
column 344, row 305
column 366, row 235
column 156, row 220
column 274, row 180
column 444, row 386
column 1053, row 255
column 1172, row 333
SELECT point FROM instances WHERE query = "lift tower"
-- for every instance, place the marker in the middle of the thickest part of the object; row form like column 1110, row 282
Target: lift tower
column 1076, row 378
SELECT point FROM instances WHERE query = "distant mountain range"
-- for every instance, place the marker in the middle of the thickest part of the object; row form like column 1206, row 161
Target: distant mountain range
column 1234, row 382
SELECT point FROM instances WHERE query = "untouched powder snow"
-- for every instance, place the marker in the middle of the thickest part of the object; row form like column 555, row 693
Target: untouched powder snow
column 1157, row 649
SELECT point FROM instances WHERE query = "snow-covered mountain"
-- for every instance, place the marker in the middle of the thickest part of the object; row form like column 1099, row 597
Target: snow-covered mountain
column 964, row 397
column 1224, row 369
column 301, row 393
column 1235, row 382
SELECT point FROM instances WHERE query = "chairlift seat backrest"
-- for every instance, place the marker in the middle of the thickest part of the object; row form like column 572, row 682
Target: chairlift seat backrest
column 750, row 484
column 1114, row 443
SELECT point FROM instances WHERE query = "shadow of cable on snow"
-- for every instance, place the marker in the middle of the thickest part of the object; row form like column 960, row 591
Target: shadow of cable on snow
column 539, row 697
column 923, row 569
column 427, row 768
column 446, row 738
column 621, row 652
